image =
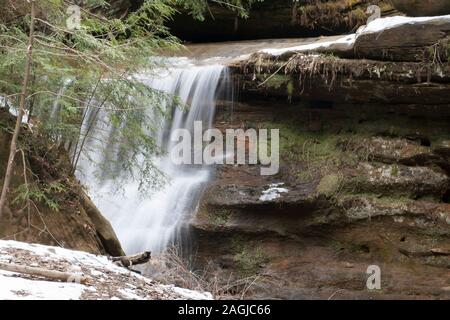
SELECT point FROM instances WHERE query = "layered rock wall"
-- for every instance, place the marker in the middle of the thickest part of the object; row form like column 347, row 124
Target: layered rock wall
column 278, row 19
column 364, row 176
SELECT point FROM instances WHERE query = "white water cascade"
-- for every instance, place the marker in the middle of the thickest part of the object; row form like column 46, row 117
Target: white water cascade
column 154, row 222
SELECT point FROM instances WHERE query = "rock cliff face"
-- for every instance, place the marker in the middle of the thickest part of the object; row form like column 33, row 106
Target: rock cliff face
column 58, row 211
column 404, row 64
column 422, row 7
column 358, row 185
column 279, row 19
column 364, row 175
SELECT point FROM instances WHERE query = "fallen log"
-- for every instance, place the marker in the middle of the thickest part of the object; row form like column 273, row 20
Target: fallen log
column 44, row 273
column 132, row 260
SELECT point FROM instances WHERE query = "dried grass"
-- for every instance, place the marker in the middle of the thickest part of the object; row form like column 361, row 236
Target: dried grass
column 222, row 285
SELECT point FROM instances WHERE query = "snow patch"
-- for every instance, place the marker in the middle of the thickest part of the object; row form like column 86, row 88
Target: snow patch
column 15, row 288
column 273, row 192
column 193, row 295
column 347, row 42
column 392, row 22
column 128, row 293
column 13, row 110
column 105, row 279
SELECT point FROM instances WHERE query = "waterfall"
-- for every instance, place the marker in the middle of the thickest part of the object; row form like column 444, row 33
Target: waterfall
column 154, row 222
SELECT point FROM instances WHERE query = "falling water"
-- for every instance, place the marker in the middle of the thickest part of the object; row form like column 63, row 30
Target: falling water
column 154, row 222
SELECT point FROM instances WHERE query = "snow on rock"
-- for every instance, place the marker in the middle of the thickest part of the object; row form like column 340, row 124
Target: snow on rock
column 13, row 110
column 381, row 24
column 105, row 280
column 273, row 192
column 347, row 42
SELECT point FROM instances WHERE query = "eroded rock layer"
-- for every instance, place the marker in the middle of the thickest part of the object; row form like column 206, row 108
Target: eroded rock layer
column 278, row 19
column 358, row 185
column 364, row 176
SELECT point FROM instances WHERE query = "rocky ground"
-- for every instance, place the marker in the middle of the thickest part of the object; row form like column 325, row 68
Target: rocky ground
column 103, row 280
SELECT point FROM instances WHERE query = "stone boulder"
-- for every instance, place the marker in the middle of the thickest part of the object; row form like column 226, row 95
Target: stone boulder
column 402, row 180
column 420, row 41
column 418, row 8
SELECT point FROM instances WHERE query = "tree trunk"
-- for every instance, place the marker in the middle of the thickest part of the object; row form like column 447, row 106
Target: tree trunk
column 13, row 148
column 129, row 261
column 49, row 274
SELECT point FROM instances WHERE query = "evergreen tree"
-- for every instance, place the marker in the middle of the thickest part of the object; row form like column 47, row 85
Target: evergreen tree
column 65, row 76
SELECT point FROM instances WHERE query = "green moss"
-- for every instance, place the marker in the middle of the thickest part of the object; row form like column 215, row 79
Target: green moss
column 249, row 261
column 336, row 246
column 290, row 89
column 315, row 153
column 237, row 243
column 276, row 81
column 393, row 200
column 47, row 194
column 378, row 199
column 329, row 185
column 298, row 144
column 220, row 218
column 359, row 14
column 339, row 147
column 394, row 170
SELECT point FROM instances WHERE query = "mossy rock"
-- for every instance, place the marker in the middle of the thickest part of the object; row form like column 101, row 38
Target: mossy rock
column 329, row 185
column 249, row 261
